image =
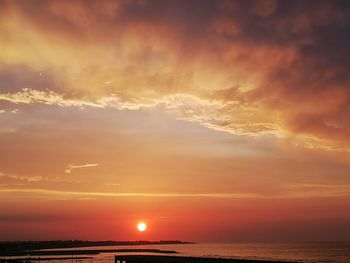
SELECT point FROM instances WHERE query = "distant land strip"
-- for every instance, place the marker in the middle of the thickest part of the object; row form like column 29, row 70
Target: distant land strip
column 89, row 252
column 21, row 260
column 36, row 248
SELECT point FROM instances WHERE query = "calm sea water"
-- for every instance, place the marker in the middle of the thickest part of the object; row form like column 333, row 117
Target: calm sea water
column 300, row 252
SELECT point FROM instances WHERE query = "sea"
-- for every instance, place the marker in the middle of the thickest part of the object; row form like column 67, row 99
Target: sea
column 320, row 252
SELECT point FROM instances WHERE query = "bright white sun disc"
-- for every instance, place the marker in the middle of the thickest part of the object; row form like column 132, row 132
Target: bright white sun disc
column 141, row 226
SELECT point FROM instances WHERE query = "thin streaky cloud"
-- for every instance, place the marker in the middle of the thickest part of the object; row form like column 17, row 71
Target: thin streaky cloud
column 28, row 179
column 131, row 194
column 113, row 184
column 71, row 167
column 176, row 195
column 321, row 186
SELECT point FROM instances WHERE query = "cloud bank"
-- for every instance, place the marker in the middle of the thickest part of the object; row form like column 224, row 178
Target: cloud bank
column 245, row 67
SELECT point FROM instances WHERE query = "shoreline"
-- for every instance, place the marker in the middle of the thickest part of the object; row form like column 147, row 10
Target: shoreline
column 187, row 259
column 21, row 248
column 150, row 259
column 83, row 252
column 20, row 260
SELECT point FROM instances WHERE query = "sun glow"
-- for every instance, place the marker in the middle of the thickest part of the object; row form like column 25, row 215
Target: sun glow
column 141, row 226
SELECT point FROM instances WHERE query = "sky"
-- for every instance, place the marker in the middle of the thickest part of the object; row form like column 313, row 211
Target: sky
column 211, row 121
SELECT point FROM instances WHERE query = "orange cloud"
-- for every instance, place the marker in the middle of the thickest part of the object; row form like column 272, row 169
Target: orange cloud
column 272, row 71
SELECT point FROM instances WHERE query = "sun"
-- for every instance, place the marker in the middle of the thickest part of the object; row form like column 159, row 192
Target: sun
column 141, row 226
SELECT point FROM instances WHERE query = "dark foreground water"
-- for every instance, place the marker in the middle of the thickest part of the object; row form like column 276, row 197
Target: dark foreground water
column 301, row 252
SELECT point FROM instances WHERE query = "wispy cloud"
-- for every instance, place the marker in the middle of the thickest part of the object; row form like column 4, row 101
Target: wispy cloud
column 8, row 110
column 321, row 190
column 71, row 167
column 129, row 194
column 28, row 96
column 321, row 186
column 113, row 184
column 79, row 195
column 28, row 179
column 15, row 180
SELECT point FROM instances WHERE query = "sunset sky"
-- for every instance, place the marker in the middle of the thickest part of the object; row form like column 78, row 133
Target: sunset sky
column 209, row 120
